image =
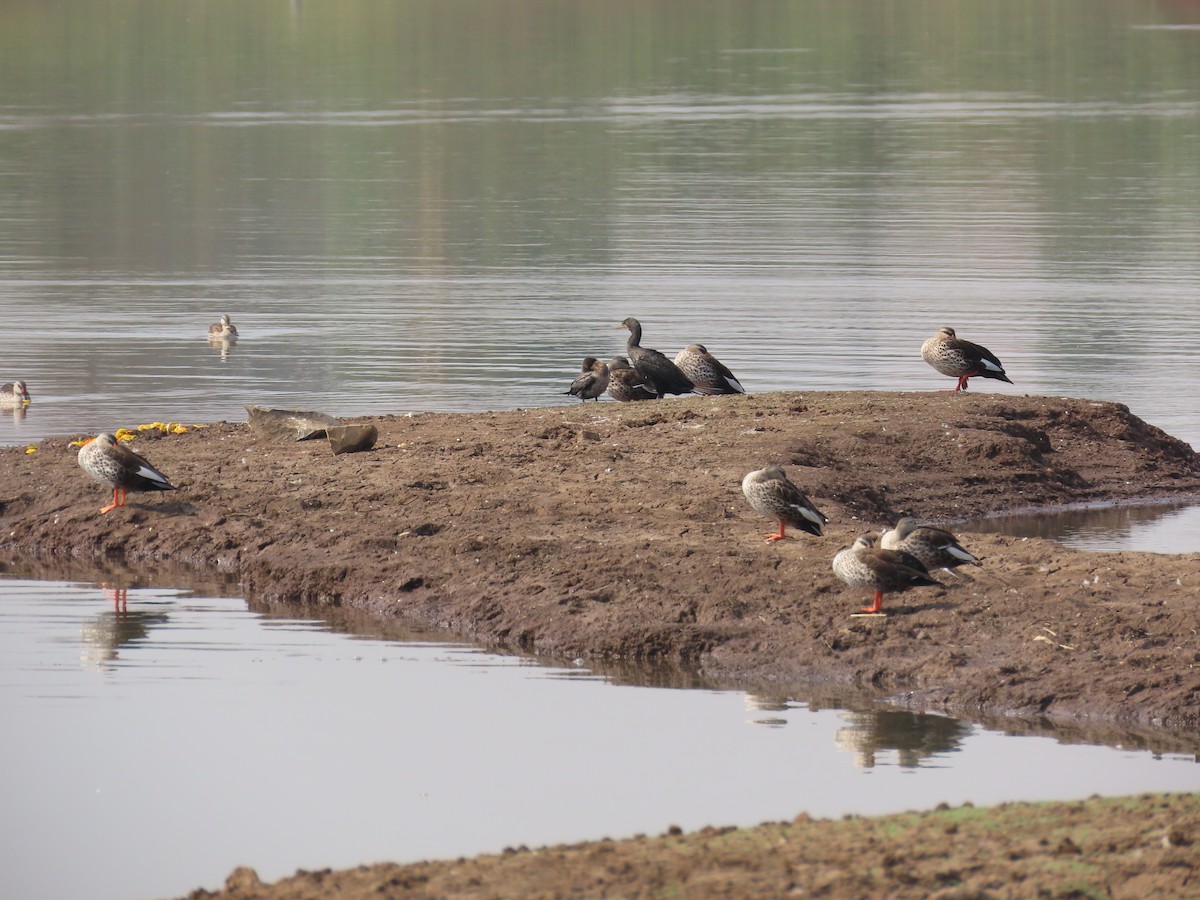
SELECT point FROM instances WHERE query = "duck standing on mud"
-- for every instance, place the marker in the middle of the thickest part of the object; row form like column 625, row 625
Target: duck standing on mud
column 591, row 382
column 936, row 548
column 110, row 462
column 884, row 571
column 708, row 374
column 961, row 359
column 667, row 377
column 627, row 384
column 770, row 492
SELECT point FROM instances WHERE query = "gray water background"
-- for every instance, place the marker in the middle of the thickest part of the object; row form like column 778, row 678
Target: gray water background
column 445, row 205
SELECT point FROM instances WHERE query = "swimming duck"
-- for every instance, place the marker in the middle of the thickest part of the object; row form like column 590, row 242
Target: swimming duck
column 110, row 462
column 13, row 394
column 884, row 571
column 625, row 383
column 667, row 377
column 936, row 548
column 773, row 494
column 961, row 359
column 222, row 330
column 592, row 382
column 706, row 371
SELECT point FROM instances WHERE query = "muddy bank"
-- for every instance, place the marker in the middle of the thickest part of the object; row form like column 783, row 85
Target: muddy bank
column 618, row 531
column 1121, row 848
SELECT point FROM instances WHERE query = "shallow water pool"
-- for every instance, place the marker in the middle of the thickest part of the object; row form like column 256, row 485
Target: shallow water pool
column 1162, row 527
column 151, row 748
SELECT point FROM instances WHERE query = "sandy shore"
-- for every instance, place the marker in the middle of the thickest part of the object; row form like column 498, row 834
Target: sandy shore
column 1130, row 848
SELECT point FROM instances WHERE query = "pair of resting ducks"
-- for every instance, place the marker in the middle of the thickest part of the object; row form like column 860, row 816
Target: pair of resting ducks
column 652, row 375
column 224, row 330
column 903, row 559
column 695, row 370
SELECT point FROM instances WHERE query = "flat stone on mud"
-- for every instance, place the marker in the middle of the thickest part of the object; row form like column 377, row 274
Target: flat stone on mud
column 288, row 424
column 351, row 438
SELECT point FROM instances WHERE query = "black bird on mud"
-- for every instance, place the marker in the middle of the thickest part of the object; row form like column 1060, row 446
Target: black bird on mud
column 667, row 377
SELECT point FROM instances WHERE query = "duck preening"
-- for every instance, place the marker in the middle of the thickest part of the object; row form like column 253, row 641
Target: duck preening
column 884, row 571
column 770, row 492
column 707, row 373
column 961, row 359
column 592, row 381
column 110, row 462
column 667, row 377
column 936, row 548
column 627, row 384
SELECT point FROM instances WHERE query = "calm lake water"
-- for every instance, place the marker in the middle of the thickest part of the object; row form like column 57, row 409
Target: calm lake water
column 446, row 204
column 150, row 751
column 1154, row 528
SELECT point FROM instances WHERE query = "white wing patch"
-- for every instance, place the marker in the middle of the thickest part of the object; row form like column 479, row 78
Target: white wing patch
column 151, row 474
column 809, row 514
column 959, row 553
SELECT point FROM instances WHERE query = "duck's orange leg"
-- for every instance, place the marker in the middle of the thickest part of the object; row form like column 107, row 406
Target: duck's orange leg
column 772, row 536
column 119, row 495
column 877, row 606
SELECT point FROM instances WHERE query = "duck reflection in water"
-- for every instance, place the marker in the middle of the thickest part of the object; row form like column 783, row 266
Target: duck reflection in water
column 760, row 707
column 105, row 634
column 223, row 345
column 914, row 736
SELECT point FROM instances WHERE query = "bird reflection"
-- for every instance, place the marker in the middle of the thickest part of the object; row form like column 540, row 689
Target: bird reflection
column 18, row 414
column 223, row 345
column 105, row 634
column 914, row 736
column 757, row 704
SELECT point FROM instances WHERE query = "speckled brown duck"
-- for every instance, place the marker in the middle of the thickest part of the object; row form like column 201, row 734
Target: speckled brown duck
column 961, row 359
column 667, row 377
column 592, row 380
column 627, row 384
column 707, row 373
column 110, row 462
column 773, row 494
column 223, row 330
column 863, row 565
column 936, row 548
column 13, row 394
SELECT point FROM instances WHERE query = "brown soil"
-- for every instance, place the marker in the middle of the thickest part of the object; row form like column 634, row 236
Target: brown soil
column 618, row 532
column 1127, row 848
